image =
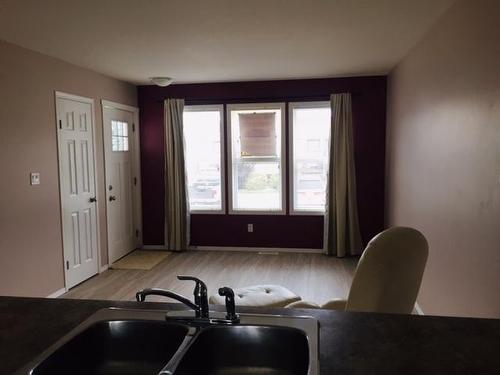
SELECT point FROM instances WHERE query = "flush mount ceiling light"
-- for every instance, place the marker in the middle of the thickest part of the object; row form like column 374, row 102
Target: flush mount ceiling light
column 161, row 81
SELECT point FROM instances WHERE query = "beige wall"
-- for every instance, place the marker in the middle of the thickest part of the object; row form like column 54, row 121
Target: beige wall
column 444, row 157
column 31, row 260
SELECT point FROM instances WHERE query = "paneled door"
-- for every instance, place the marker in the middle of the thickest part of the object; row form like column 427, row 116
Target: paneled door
column 120, row 146
column 75, row 142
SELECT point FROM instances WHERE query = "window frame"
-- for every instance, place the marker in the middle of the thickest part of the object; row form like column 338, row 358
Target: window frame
column 220, row 109
column 283, row 162
column 291, row 183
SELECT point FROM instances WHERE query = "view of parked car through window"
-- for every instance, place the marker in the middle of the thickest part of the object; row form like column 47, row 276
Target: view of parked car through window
column 310, row 124
column 255, row 144
column 202, row 137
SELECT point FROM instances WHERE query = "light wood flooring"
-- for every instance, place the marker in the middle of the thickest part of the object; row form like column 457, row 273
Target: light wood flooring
column 314, row 277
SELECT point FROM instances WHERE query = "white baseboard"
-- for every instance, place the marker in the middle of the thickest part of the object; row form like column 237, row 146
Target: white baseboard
column 103, row 268
column 154, row 247
column 418, row 309
column 258, row 249
column 57, row 293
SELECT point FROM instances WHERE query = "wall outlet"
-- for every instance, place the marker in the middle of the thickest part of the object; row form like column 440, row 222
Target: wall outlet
column 35, row 178
column 250, row 228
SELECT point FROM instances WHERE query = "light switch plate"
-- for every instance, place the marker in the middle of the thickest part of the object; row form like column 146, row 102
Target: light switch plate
column 35, row 178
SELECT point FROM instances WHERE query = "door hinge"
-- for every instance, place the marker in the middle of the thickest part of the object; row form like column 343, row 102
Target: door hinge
column 135, row 180
column 67, row 264
column 60, row 124
column 133, row 127
column 137, row 233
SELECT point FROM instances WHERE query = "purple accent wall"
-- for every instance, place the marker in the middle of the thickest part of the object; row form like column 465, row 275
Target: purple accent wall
column 369, row 120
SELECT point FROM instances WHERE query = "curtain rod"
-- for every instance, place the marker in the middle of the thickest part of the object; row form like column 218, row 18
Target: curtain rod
column 258, row 100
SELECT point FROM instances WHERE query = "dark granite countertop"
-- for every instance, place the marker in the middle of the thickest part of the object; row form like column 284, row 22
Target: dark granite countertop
column 350, row 343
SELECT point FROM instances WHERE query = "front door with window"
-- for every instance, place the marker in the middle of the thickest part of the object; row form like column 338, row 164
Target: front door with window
column 119, row 161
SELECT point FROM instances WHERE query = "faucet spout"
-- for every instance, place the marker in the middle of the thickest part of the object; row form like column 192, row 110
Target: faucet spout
column 200, row 305
column 142, row 294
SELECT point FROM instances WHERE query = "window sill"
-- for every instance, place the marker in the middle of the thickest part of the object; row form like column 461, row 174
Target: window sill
column 256, row 212
column 307, row 213
column 207, row 212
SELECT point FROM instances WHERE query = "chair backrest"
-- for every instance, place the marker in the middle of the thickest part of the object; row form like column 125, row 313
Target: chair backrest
column 389, row 272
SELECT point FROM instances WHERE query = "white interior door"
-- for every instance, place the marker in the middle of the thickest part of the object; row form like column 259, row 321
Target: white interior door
column 75, row 140
column 121, row 180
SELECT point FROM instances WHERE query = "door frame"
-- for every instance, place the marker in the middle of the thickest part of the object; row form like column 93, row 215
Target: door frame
column 136, row 166
column 83, row 99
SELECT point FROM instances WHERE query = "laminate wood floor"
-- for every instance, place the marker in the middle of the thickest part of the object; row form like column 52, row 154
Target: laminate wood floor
column 314, row 277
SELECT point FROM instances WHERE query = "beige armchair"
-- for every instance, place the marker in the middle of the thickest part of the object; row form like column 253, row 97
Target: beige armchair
column 388, row 275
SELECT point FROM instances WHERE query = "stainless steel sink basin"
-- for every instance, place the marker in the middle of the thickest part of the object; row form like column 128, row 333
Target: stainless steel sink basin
column 246, row 350
column 121, row 341
column 116, row 347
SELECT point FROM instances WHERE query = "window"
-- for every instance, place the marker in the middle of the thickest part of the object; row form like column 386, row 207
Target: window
column 203, row 132
column 256, row 164
column 119, row 135
column 310, row 124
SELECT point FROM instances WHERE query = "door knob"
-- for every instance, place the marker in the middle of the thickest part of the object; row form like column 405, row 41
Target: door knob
column 92, row 199
column 112, row 198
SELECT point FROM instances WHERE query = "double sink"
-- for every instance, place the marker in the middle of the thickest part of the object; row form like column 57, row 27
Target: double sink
column 121, row 341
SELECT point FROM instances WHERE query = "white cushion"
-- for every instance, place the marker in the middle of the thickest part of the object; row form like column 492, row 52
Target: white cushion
column 259, row 295
column 303, row 305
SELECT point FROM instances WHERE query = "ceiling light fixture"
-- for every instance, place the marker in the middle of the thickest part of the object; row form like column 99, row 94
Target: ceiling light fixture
column 161, row 81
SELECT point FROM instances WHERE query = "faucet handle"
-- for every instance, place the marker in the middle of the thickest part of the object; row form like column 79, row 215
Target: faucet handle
column 199, row 283
column 200, row 294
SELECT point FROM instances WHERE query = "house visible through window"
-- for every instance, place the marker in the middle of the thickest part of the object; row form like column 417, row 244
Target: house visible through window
column 119, row 135
column 309, row 146
column 203, row 157
column 256, row 157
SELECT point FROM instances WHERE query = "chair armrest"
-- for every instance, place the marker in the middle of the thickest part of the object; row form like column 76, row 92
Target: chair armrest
column 335, row 304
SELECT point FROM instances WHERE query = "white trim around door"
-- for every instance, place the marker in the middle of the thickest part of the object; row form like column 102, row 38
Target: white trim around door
column 59, row 96
column 134, row 138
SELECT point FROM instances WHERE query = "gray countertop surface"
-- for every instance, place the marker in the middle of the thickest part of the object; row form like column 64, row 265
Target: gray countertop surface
column 350, row 343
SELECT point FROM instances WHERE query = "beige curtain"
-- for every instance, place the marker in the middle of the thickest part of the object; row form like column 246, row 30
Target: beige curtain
column 176, row 200
column 341, row 219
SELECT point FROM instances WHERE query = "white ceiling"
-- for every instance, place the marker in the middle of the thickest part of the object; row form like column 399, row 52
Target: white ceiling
column 221, row 40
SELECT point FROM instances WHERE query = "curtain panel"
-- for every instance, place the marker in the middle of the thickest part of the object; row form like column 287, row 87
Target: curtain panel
column 342, row 234
column 176, row 195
